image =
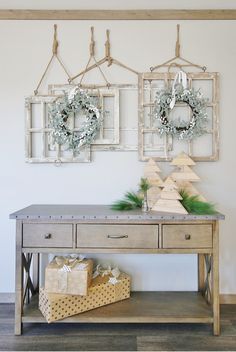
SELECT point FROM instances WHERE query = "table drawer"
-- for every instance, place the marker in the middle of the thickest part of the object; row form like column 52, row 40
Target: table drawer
column 117, row 236
column 187, row 236
column 47, row 235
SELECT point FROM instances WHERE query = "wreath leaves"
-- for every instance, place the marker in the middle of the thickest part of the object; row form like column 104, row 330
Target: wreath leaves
column 74, row 102
column 182, row 130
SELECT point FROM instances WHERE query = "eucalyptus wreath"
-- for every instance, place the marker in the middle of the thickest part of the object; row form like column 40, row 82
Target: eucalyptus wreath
column 76, row 101
column 179, row 128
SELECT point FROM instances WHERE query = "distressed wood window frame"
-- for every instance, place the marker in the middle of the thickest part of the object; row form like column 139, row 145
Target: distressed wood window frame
column 116, row 144
column 168, row 140
column 85, row 155
column 121, row 146
column 58, row 89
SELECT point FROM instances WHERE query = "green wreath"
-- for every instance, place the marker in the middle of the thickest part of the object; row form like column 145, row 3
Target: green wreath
column 181, row 129
column 73, row 102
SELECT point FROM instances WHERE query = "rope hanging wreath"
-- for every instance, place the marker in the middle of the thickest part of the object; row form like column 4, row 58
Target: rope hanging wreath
column 76, row 101
column 165, row 102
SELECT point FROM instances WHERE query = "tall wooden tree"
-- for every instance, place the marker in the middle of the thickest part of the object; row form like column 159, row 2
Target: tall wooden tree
column 169, row 200
column 151, row 173
column 183, row 175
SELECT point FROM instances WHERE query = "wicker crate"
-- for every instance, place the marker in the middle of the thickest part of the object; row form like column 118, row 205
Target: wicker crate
column 101, row 292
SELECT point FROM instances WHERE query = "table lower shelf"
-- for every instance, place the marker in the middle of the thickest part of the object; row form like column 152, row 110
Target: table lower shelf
column 141, row 307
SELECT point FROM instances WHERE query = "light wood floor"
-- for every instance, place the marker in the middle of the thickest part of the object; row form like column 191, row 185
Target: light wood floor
column 118, row 337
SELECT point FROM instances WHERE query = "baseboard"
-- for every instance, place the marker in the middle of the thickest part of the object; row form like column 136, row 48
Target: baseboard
column 6, row 297
column 228, row 299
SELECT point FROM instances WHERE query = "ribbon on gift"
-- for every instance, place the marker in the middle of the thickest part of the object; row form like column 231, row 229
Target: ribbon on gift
column 66, row 264
column 114, row 273
column 180, row 79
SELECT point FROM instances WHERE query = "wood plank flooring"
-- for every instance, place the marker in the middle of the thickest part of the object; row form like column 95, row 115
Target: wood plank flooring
column 118, row 337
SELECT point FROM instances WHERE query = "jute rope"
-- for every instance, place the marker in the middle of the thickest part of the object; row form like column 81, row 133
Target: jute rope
column 110, row 59
column 107, row 58
column 171, row 62
column 54, row 55
column 92, row 57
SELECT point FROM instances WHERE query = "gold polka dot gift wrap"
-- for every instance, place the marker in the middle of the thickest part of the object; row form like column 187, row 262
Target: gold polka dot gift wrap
column 101, row 292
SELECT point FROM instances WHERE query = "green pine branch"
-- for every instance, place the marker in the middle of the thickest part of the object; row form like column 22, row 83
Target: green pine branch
column 130, row 201
column 144, row 185
column 195, row 206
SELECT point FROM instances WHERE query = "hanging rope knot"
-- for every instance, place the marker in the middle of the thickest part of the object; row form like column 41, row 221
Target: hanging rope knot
column 92, row 48
column 170, row 62
column 108, row 48
column 55, row 41
column 92, row 43
column 54, row 56
column 177, row 45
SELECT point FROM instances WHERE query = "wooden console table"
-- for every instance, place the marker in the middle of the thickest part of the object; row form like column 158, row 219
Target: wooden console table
column 97, row 229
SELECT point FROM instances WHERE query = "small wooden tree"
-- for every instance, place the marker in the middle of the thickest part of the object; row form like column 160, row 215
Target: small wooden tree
column 169, row 200
column 183, row 175
column 151, row 173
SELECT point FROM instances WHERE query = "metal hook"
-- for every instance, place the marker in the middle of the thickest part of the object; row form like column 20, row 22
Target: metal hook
column 57, row 162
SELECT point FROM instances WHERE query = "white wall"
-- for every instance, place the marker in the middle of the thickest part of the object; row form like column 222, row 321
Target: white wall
column 25, row 47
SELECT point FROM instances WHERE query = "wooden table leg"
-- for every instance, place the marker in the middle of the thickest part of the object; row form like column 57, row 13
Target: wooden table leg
column 201, row 272
column 36, row 264
column 215, row 280
column 18, row 279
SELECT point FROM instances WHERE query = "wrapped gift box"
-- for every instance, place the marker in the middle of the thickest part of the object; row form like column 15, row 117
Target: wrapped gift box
column 103, row 290
column 68, row 275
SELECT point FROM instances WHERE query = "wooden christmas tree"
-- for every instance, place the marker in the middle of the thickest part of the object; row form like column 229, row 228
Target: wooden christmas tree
column 183, row 175
column 151, row 173
column 152, row 195
column 169, row 200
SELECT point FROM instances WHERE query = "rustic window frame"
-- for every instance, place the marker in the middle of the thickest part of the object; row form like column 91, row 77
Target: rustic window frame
column 117, row 144
column 167, row 140
column 43, row 100
column 58, row 89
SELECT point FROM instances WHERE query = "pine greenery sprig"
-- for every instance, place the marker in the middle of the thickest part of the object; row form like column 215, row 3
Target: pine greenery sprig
column 144, row 185
column 130, row 201
column 195, row 206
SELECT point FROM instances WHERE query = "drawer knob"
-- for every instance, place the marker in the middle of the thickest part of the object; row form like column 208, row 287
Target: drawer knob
column 48, row 236
column 187, row 237
column 117, row 236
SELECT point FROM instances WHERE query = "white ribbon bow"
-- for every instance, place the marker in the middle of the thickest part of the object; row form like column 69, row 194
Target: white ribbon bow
column 68, row 262
column 115, row 273
column 180, row 78
column 72, row 93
